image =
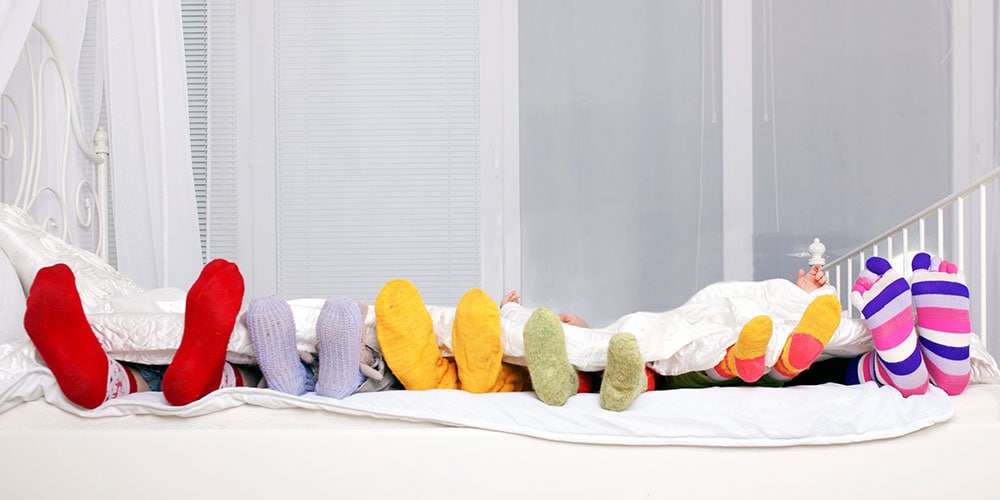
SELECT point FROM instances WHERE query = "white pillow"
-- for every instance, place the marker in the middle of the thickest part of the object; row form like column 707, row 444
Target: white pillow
column 30, row 248
column 11, row 303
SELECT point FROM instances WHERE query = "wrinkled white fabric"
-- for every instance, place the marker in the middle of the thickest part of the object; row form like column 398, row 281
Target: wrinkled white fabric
column 769, row 417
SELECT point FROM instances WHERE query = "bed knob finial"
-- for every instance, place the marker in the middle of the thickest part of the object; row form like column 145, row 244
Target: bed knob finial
column 816, row 251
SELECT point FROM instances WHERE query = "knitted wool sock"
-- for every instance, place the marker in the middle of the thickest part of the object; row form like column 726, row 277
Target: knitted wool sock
column 942, row 301
column 405, row 333
column 57, row 325
column 271, row 327
column 745, row 358
column 210, row 312
column 338, row 343
column 810, row 336
column 553, row 378
column 884, row 299
column 475, row 339
column 625, row 376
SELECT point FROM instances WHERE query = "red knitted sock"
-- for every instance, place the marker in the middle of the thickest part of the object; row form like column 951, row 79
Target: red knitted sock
column 55, row 321
column 210, row 312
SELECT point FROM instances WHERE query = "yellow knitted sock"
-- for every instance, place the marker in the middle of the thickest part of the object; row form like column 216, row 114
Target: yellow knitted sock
column 809, row 337
column 475, row 340
column 405, row 334
column 745, row 358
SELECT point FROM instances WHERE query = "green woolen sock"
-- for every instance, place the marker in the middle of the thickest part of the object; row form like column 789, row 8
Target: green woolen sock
column 553, row 378
column 625, row 376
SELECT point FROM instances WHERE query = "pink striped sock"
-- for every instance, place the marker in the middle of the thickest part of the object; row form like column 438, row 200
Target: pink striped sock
column 942, row 301
column 884, row 299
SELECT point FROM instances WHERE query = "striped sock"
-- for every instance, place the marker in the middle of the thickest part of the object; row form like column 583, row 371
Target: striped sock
column 884, row 299
column 338, row 344
column 271, row 328
column 810, row 336
column 405, row 334
column 942, row 302
column 745, row 358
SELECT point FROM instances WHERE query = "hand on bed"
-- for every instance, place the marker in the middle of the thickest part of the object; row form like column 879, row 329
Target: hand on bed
column 812, row 280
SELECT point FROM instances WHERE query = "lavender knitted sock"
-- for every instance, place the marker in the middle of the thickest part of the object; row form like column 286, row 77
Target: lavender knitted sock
column 338, row 343
column 272, row 332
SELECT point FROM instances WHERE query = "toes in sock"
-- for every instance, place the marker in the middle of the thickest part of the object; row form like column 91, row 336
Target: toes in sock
column 405, row 334
column 884, row 298
column 625, row 376
column 338, row 344
column 552, row 376
column 57, row 325
column 941, row 298
column 271, row 327
column 210, row 312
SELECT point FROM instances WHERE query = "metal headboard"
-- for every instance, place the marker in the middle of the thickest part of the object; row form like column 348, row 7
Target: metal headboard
column 90, row 197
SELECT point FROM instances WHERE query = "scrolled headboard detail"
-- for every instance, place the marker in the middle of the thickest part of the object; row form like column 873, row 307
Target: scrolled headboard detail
column 43, row 168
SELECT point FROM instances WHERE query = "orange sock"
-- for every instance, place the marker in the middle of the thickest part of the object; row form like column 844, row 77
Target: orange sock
column 745, row 358
column 809, row 337
column 405, row 334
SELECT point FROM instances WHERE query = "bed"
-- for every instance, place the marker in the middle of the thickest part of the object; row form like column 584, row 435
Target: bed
column 821, row 441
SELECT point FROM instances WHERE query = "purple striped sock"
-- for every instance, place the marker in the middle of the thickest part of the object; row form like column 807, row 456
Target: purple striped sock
column 942, row 301
column 884, row 299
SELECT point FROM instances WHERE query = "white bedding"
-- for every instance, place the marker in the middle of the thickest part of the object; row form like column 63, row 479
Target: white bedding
column 735, row 416
column 146, row 326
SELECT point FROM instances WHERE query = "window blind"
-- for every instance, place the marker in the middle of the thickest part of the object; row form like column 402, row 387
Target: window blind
column 210, row 56
column 377, row 147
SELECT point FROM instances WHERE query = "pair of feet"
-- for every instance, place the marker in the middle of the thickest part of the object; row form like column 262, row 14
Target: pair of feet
column 908, row 354
column 553, row 377
column 406, row 337
column 57, row 325
column 343, row 366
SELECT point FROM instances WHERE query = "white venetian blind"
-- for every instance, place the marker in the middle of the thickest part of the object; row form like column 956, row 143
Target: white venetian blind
column 210, row 55
column 377, row 147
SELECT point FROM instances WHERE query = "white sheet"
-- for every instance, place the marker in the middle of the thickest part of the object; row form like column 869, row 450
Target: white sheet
column 739, row 416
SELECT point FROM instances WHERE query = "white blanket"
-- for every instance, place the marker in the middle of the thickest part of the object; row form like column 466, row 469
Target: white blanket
column 733, row 416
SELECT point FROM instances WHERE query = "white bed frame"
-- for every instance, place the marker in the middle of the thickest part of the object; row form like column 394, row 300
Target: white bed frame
column 254, row 452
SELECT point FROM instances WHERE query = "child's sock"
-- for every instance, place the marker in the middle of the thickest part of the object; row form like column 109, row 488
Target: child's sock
column 405, row 334
column 942, row 302
column 625, row 376
column 552, row 377
column 475, row 339
column 809, row 337
column 884, row 299
column 57, row 325
column 230, row 377
column 745, row 358
column 338, row 344
column 210, row 312
column 271, row 327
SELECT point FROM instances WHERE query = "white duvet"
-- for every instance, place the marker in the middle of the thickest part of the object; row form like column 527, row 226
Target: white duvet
column 146, row 326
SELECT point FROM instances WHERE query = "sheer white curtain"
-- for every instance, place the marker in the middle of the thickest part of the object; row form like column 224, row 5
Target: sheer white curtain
column 15, row 21
column 621, row 158
column 155, row 217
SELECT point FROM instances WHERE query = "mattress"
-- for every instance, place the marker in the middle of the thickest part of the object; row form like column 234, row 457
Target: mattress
column 258, row 452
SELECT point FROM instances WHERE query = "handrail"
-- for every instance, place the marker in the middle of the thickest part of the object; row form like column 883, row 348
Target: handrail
column 993, row 174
